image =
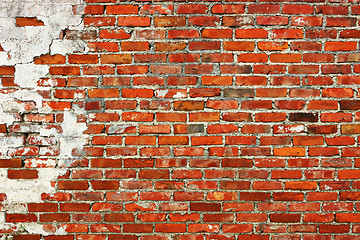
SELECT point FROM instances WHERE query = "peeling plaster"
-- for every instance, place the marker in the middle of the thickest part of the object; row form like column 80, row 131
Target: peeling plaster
column 72, row 136
column 20, row 48
column 26, row 42
column 27, row 75
column 20, row 192
column 67, row 46
column 26, row 191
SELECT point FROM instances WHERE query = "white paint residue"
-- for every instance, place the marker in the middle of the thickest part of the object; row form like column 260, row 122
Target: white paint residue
column 92, row 116
column 49, row 82
column 296, row 129
column 7, row 118
column 10, row 104
column 299, row 20
column 48, row 151
column 79, row 95
column 115, row 129
column 161, row 93
column 280, row 128
column 72, row 136
column 144, row 205
column 30, row 227
column 166, row 9
column 37, row 162
column 179, row 95
column 244, row 20
column 15, row 207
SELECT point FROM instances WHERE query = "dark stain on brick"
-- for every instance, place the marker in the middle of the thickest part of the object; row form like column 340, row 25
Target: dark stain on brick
column 303, row 117
column 232, row 92
column 349, row 104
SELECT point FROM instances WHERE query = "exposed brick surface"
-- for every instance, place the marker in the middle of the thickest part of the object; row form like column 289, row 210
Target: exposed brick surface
column 216, row 120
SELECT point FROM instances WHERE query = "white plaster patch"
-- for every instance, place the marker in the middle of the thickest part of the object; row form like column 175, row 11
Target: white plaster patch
column 68, row 46
column 9, row 143
column 24, row 43
column 10, row 104
column 8, row 108
column 47, row 132
column 29, row 95
column 27, row 75
column 72, row 136
column 22, row 191
column 35, row 228
column 21, row 45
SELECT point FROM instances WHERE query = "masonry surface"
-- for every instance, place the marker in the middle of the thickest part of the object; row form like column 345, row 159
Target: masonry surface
column 179, row 120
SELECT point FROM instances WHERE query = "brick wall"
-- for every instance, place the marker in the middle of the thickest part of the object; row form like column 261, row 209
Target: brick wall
column 184, row 120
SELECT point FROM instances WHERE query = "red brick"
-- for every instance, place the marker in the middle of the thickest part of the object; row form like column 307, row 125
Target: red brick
column 134, row 21
column 216, row 33
column 192, row 9
column 122, row 9
column 153, row 9
column 286, row 57
column 28, row 21
column 183, row 34
column 170, row 46
column 340, row 46
column 297, row 9
column 227, row 9
column 99, row 21
column 264, row 8
column 273, row 20
column 114, row 34
column 169, row 21
column 94, row 9
column 251, row 33
column 204, row 21
column 30, row 217
column 217, row 96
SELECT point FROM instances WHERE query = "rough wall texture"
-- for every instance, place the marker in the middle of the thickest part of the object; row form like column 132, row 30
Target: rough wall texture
column 184, row 120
